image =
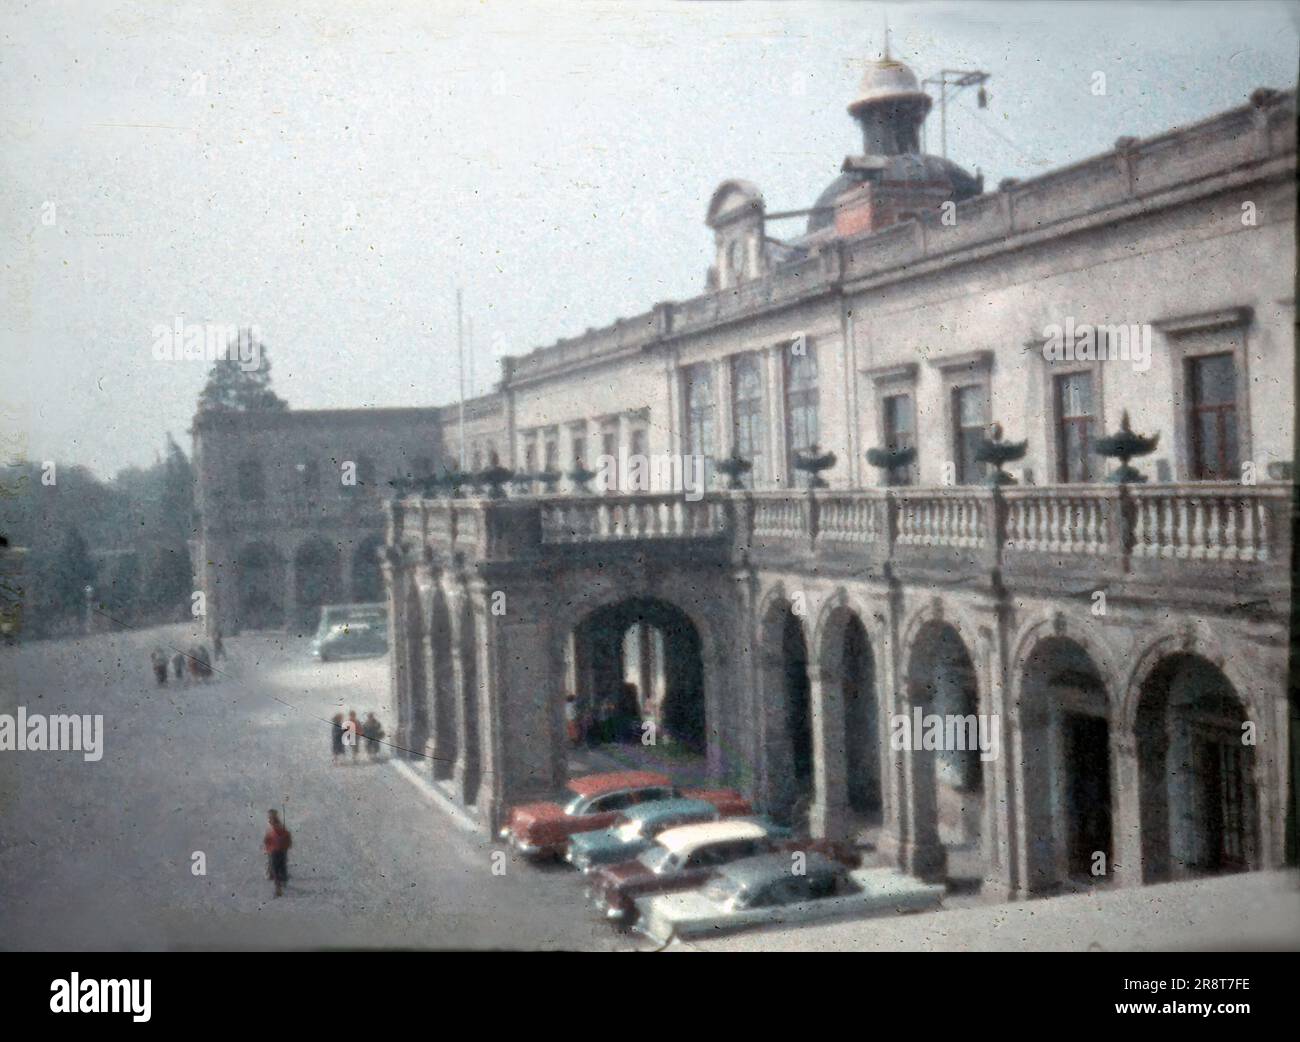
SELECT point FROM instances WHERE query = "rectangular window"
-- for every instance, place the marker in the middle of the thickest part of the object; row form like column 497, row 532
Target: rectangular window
column 552, row 456
column 800, row 404
column 749, row 432
column 699, row 416
column 970, row 411
column 900, row 433
column 1074, row 428
column 579, row 451
column 1213, row 382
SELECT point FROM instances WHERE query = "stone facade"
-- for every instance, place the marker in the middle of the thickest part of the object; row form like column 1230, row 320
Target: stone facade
column 290, row 508
column 1127, row 643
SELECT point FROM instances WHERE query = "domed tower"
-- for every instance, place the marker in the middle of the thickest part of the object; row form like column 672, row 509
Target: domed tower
column 892, row 180
column 890, row 108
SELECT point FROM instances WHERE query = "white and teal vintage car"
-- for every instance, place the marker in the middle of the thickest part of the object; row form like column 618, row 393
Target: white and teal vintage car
column 785, row 888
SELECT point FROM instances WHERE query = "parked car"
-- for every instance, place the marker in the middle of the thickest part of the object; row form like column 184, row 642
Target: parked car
column 765, row 890
column 543, row 829
column 679, row 859
column 351, row 631
column 635, row 830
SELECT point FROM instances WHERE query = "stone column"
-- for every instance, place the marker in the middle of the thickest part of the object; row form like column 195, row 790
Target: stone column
column 394, row 579
column 829, row 815
column 920, row 852
column 466, row 774
column 1126, row 828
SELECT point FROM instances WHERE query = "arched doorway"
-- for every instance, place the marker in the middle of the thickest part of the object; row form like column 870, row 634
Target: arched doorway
column 640, row 660
column 947, row 779
column 317, row 579
column 787, row 696
column 1064, row 720
column 367, row 576
column 259, row 578
column 848, row 674
column 1198, row 802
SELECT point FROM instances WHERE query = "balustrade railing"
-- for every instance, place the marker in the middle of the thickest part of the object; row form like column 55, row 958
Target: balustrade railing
column 943, row 517
column 1208, row 522
column 1066, row 519
column 1109, row 528
column 605, row 518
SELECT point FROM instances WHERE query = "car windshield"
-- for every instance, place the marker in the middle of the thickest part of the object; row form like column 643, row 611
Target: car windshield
column 657, row 859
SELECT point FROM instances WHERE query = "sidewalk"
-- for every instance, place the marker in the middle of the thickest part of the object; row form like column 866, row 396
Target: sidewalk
column 1250, row 912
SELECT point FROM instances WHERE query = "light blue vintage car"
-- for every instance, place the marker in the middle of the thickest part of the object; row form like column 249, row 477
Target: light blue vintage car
column 635, row 831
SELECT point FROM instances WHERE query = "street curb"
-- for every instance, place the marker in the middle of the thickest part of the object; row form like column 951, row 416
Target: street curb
column 431, row 793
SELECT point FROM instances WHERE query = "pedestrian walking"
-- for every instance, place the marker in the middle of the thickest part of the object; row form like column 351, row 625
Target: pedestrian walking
column 178, row 666
column 354, row 728
column 205, row 662
column 336, row 737
column 158, row 659
column 192, row 661
column 572, row 725
column 373, row 731
column 276, row 844
column 218, row 646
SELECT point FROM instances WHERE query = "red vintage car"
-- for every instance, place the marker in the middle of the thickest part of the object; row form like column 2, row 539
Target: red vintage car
column 542, row 829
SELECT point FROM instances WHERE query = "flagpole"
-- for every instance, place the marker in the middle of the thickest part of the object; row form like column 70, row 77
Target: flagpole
column 460, row 350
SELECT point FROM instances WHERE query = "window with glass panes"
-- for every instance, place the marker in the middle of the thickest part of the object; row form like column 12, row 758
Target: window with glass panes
column 699, row 415
column 1213, row 383
column 748, row 429
column 800, row 404
column 1074, row 427
column 970, row 410
column 900, row 433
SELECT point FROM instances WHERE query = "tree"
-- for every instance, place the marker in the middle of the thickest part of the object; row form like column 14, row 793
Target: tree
column 72, row 570
column 233, row 388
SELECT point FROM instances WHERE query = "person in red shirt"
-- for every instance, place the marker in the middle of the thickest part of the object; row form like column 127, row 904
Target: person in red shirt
column 276, row 844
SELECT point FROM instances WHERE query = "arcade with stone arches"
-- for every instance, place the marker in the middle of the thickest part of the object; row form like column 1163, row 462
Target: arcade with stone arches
column 279, row 582
column 1119, row 757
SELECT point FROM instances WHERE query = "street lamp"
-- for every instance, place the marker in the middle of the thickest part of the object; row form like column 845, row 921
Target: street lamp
column 89, row 591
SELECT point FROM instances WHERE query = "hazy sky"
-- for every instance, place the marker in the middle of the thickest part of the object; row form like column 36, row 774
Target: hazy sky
column 329, row 171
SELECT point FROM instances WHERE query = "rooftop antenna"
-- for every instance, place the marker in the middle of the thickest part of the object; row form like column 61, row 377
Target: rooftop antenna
column 952, row 82
column 460, row 351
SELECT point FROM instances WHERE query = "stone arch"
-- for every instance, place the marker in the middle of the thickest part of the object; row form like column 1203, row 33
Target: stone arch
column 1195, row 639
column 784, row 665
column 615, row 704
column 317, row 577
column 259, row 585
column 846, row 664
column 367, row 576
column 1201, row 806
column 1063, row 722
column 945, row 775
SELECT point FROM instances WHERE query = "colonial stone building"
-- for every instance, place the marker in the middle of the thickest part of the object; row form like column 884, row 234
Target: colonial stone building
column 1124, row 643
column 290, row 508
